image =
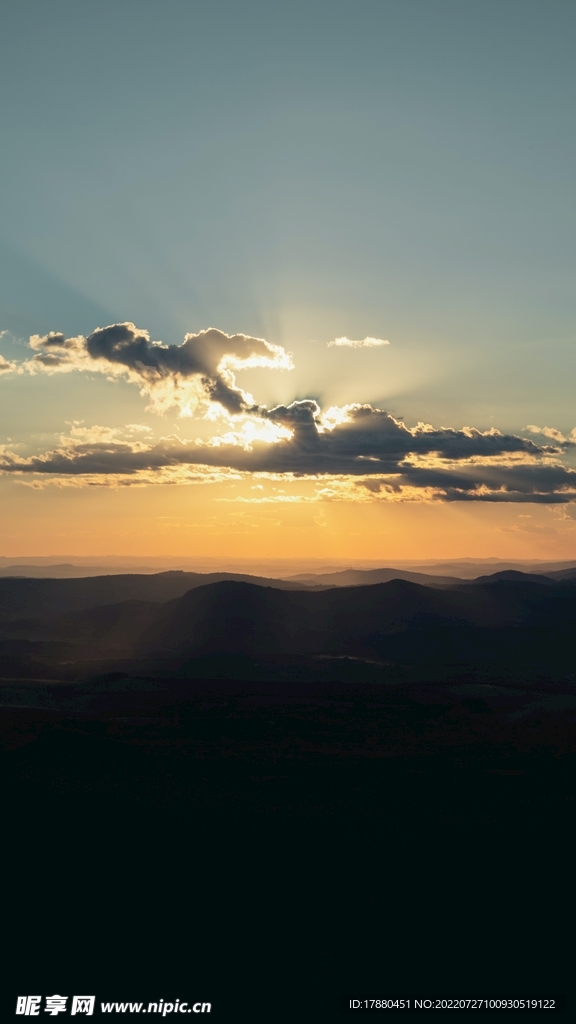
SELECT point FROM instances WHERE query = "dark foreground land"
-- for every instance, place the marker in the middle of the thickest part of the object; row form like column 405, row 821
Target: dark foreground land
column 394, row 818
column 267, row 849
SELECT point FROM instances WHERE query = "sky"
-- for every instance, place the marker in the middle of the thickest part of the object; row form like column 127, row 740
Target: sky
column 288, row 280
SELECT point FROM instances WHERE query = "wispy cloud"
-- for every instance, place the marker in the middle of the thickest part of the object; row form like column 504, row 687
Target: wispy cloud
column 525, row 528
column 349, row 343
column 552, row 433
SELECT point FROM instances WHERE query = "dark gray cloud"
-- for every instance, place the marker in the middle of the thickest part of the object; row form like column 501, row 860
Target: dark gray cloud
column 372, row 434
column 206, row 360
column 541, row 484
column 368, row 445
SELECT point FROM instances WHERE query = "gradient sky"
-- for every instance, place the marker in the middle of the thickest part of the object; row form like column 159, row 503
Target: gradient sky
column 401, row 171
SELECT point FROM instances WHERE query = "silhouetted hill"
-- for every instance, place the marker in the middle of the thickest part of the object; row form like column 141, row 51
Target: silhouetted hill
column 508, row 625
column 513, row 575
column 562, row 574
column 512, row 626
column 366, row 577
column 39, row 598
column 241, row 618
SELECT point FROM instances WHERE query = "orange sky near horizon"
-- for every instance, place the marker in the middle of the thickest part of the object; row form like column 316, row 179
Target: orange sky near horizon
column 201, row 521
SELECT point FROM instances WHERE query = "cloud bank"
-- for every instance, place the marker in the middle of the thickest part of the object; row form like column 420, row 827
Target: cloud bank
column 368, row 453
column 361, row 444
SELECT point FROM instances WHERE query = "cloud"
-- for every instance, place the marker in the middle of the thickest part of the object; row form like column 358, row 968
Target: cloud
column 199, row 372
column 348, row 343
column 357, row 452
column 354, row 443
column 551, row 432
column 6, row 366
column 523, row 528
column 567, row 511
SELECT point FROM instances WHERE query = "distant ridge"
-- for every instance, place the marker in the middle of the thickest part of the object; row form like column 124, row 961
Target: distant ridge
column 22, row 597
column 303, row 571
column 366, row 577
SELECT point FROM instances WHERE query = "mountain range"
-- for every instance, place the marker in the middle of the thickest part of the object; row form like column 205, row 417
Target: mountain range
column 508, row 624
